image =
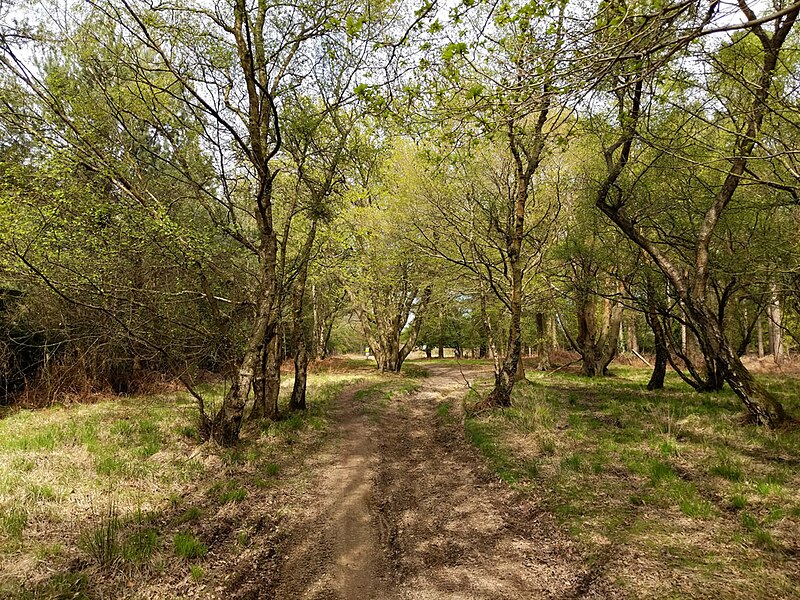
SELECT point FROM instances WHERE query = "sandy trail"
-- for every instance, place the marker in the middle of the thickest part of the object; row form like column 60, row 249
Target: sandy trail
column 403, row 508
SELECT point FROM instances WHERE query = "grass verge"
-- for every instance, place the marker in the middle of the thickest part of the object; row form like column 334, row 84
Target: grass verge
column 658, row 486
column 117, row 499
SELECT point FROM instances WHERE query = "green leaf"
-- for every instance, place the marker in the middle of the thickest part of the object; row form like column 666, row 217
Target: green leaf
column 451, row 50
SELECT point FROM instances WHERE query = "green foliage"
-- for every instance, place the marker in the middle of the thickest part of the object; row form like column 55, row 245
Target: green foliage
column 454, row 49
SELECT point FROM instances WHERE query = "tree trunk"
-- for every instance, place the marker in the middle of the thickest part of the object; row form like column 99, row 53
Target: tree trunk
column 428, row 352
column 440, row 351
column 763, row 407
column 259, row 386
column 299, row 338
column 775, row 326
column 597, row 348
column 712, row 377
column 760, row 338
column 298, row 399
column 520, row 373
column 318, row 348
column 227, row 423
column 267, row 382
column 744, row 347
column 660, row 367
column 507, row 375
column 542, row 349
column 662, row 351
column 633, row 339
column 526, row 161
column 503, row 387
column 325, row 310
column 386, row 343
column 552, row 332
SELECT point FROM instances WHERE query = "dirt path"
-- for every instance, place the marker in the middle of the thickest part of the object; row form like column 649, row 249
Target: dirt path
column 403, row 508
column 336, row 551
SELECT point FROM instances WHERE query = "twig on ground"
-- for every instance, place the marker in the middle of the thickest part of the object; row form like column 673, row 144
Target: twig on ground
column 641, row 358
column 466, row 381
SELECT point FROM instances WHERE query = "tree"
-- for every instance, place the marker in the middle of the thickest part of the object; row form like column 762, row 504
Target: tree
column 220, row 73
column 691, row 281
column 387, row 279
column 512, row 100
column 120, row 285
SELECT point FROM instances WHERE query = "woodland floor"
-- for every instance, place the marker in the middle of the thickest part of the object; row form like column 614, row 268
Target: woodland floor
column 385, row 489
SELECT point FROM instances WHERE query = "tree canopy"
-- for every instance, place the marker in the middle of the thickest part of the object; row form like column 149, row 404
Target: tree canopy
column 220, row 186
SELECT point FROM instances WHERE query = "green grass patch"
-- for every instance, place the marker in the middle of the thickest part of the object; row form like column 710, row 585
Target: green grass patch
column 228, row 491
column 188, row 546
column 102, row 540
column 197, row 572
column 503, row 462
column 661, row 472
column 61, row 586
column 40, row 493
column 376, row 397
column 111, row 465
column 139, row 546
column 697, row 508
column 738, row 502
column 271, row 469
column 190, row 514
column 140, row 451
column 725, row 465
column 13, row 520
column 443, row 412
column 572, row 462
column 414, row 371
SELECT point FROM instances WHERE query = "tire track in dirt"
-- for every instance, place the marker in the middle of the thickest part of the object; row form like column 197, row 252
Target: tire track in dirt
column 454, row 530
column 335, row 551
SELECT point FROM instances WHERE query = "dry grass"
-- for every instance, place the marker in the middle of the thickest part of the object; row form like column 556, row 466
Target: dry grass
column 116, row 498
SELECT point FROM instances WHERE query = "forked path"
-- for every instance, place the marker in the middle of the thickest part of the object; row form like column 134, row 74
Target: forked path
column 403, row 508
